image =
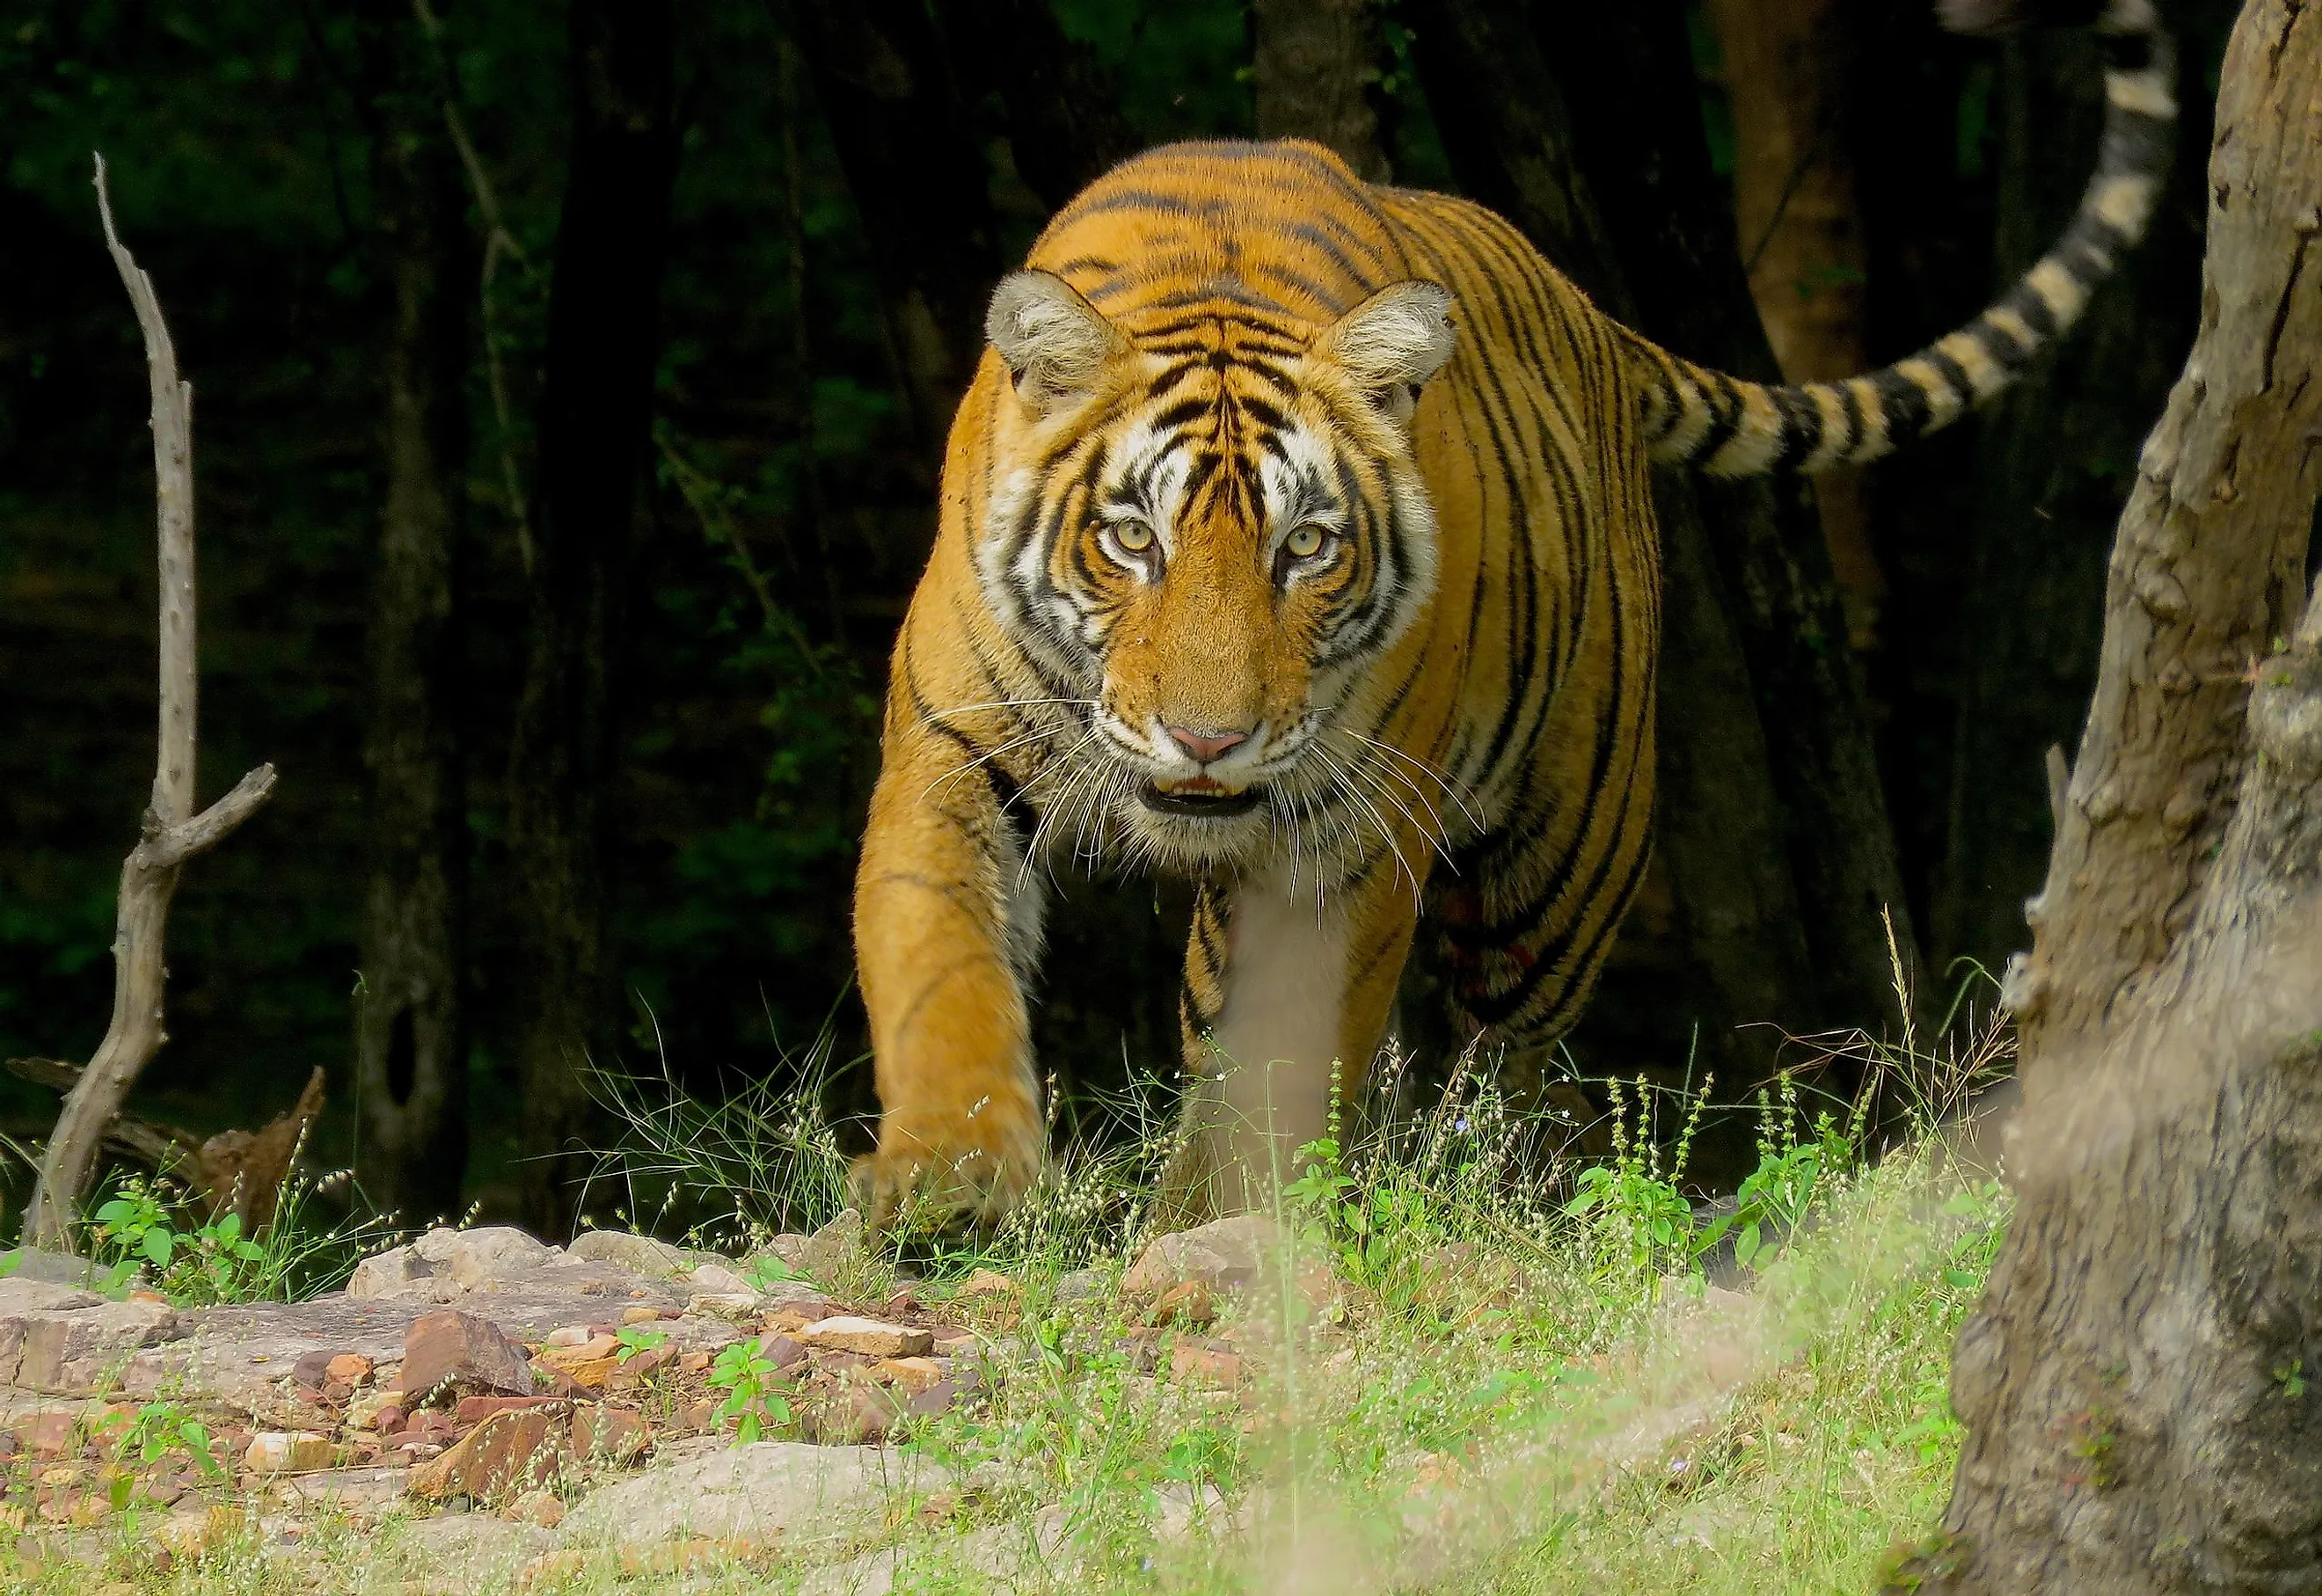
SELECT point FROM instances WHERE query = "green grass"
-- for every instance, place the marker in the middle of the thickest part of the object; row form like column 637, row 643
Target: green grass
column 1519, row 1383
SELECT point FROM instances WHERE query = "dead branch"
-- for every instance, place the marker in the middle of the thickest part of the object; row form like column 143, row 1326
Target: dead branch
column 172, row 832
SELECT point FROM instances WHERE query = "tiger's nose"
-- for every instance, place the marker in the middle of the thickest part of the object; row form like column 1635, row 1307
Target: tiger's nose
column 1205, row 746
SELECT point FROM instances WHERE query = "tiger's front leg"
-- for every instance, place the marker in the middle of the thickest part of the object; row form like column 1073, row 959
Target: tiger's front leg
column 1284, row 985
column 943, row 916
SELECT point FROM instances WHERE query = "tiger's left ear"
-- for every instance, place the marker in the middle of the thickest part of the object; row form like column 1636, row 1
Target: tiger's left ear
column 1056, row 342
column 1393, row 342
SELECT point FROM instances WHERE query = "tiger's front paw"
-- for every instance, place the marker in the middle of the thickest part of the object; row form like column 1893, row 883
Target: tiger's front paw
column 965, row 1173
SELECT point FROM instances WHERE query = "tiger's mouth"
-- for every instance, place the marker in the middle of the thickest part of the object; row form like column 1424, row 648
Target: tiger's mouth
column 1200, row 798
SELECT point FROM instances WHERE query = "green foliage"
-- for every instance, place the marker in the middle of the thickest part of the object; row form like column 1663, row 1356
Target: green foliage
column 748, row 1377
column 632, row 1340
column 151, row 1226
column 154, row 1432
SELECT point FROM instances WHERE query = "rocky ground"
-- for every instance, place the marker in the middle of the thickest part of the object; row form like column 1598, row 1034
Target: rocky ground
column 494, row 1399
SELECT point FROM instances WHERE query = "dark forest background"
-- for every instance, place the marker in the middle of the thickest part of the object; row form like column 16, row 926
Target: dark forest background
column 570, row 381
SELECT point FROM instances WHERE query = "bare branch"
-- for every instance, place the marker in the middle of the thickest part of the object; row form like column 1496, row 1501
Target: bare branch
column 205, row 830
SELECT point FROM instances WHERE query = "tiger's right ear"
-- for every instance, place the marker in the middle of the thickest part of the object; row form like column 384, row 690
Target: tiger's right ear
column 1056, row 342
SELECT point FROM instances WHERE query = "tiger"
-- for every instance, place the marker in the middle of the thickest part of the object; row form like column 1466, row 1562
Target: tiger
column 1296, row 537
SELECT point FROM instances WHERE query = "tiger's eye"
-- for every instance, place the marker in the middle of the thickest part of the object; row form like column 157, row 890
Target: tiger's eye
column 1304, row 543
column 1134, row 536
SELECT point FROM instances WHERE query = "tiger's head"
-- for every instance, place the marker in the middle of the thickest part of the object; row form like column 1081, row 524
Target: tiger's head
column 1203, row 527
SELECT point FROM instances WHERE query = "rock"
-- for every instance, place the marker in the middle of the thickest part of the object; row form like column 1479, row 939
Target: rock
column 537, row 1508
column 833, row 1252
column 800, row 1494
column 312, row 1371
column 565, row 1336
column 1187, row 1303
column 781, row 1349
column 608, row 1435
column 494, row 1253
column 1208, row 1367
column 791, row 1248
column 73, row 1350
column 639, row 1254
column 851, row 1415
column 461, row 1349
column 389, row 1274
column 716, row 1277
column 1078, row 1285
column 930, row 1401
column 984, row 1285
column 1029, row 1553
column 21, row 1294
column 296, row 1452
column 724, row 1305
column 1225, row 1255
column 352, row 1367
column 507, row 1451
column 637, row 1314
column 588, row 1351
column 476, row 1409
column 30, row 1266
column 912, row 1375
column 873, row 1338
column 50, row 1432
column 366, row 1407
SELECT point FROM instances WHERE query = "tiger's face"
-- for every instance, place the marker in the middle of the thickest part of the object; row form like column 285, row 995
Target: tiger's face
column 1203, row 537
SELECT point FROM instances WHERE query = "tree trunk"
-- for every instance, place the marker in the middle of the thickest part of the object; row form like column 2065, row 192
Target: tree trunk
column 411, row 1037
column 595, row 414
column 2054, row 460
column 1771, row 826
column 1788, row 65
column 2137, row 1381
column 1312, row 67
column 916, row 168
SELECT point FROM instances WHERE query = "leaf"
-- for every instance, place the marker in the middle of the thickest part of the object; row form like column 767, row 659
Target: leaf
column 159, row 1245
column 227, row 1230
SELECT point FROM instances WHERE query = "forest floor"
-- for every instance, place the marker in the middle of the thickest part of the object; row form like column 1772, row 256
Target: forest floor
column 1414, row 1376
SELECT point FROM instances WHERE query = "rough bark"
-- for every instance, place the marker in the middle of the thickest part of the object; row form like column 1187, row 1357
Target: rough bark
column 916, row 170
column 2054, row 460
column 1064, row 125
column 595, row 415
column 1312, row 67
column 410, row 1014
column 1771, row 824
column 2137, row 1381
column 172, row 832
column 1788, row 67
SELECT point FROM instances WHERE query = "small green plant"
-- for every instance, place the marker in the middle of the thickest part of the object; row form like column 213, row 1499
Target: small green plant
column 209, row 1261
column 155, row 1432
column 768, row 1269
column 1630, row 1207
column 634, row 1340
column 1791, row 1178
column 746, row 1374
column 2291, row 1377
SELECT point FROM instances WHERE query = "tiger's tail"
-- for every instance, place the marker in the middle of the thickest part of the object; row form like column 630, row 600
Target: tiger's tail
column 1728, row 427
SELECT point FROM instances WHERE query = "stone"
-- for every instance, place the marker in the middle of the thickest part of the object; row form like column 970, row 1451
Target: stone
column 984, row 1285
column 388, row 1274
column 716, row 1277
column 493, row 1253
column 1225, row 1255
column 638, row 1314
column 463, row 1350
column 910, row 1375
column 639, row 1254
column 50, row 1432
column 607, row 1433
column 791, row 1248
column 770, row 1491
column 587, row 1352
column 312, row 1371
column 565, row 1336
column 352, row 1367
column 929, row 1401
column 30, row 1266
column 476, row 1409
column 365, row 1409
column 295, row 1452
column 1187, row 1303
column 871, row 1337
column 724, row 1305
column 781, row 1349
column 538, row 1508
column 33, row 1295
column 851, row 1415
column 831, row 1252
column 507, row 1451
column 75, row 1351
column 1207, row 1367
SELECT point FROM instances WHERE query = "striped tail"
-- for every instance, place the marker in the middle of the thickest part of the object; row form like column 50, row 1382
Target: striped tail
column 1730, row 428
